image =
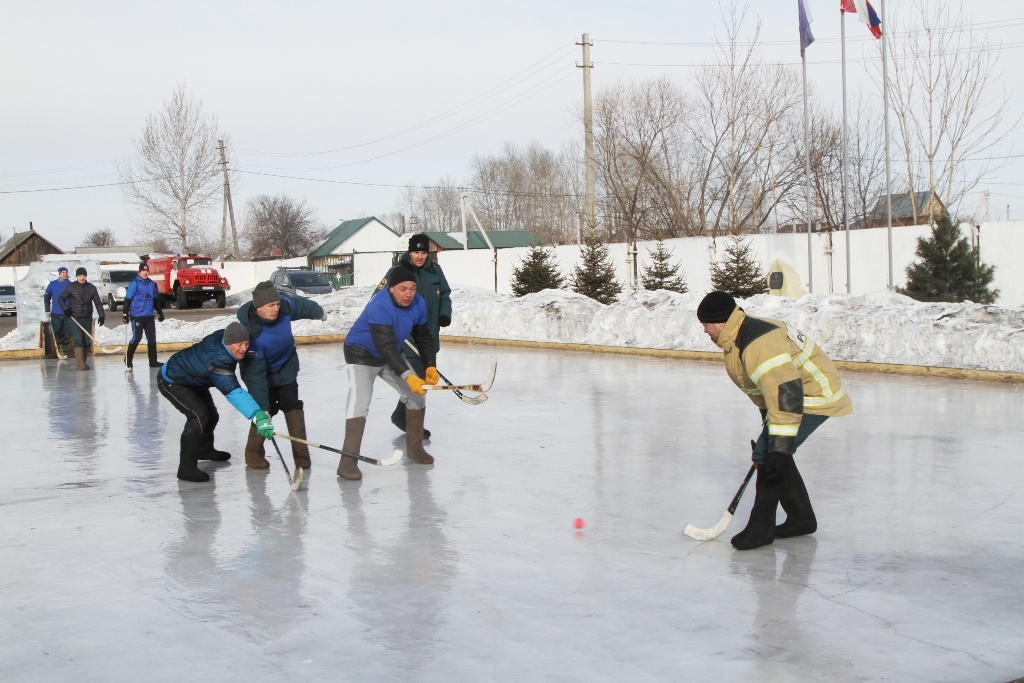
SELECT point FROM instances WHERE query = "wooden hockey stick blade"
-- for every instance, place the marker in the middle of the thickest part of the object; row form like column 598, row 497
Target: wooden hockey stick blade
column 395, row 457
column 471, row 400
column 708, row 534
column 298, row 479
column 100, row 346
column 56, row 345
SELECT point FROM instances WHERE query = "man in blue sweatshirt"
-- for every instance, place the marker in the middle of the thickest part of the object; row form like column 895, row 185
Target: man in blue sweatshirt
column 373, row 348
column 141, row 302
column 185, row 380
column 270, row 368
column 59, row 323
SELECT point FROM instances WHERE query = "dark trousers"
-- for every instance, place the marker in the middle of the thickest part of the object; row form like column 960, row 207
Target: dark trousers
column 416, row 363
column 147, row 324
column 285, row 398
column 808, row 424
column 62, row 329
column 196, row 404
column 81, row 339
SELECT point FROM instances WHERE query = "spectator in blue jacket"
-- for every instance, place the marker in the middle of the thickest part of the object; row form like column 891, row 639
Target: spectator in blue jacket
column 141, row 306
column 270, row 368
column 373, row 348
column 185, row 380
column 59, row 322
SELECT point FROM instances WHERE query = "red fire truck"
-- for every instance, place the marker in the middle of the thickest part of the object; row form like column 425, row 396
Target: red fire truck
column 187, row 280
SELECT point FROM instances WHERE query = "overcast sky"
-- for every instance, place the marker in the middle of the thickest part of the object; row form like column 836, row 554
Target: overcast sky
column 285, row 79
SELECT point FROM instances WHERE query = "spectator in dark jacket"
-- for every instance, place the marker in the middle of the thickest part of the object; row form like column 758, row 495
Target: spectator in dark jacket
column 77, row 301
column 59, row 323
column 141, row 306
column 432, row 285
column 185, row 380
column 270, row 368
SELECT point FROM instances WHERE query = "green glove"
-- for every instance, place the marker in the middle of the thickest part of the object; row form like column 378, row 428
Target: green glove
column 264, row 427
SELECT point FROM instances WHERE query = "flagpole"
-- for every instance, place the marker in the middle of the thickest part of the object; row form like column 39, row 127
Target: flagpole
column 807, row 177
column 846, row 207
column 885, row 104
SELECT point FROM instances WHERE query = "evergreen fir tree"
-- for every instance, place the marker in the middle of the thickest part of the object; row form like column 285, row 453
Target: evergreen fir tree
column 595, row 277
column 536, row 273
column 738, row 272
column 661, row 274
column 949, row 269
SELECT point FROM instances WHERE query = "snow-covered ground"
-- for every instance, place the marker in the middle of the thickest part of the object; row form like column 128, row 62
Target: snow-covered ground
column 881, row 327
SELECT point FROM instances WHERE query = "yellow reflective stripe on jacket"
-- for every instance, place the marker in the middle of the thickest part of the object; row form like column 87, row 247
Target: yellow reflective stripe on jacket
column 782, row 430
column 819, row 376
column 811, row 401
column 769, row 364
column 805, row 356
column 751, row 392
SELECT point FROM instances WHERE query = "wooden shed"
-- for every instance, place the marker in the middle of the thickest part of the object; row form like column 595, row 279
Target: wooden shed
column 25, row 248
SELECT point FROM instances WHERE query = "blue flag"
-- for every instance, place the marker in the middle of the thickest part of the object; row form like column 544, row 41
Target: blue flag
column 806, row 37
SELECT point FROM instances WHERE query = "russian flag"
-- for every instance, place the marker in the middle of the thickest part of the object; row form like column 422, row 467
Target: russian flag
column 865, row 13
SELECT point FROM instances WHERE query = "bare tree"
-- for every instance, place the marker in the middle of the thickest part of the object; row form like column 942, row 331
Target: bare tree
column 281, row 222
column 945, row 100
column 104, row 237
column 176, row 177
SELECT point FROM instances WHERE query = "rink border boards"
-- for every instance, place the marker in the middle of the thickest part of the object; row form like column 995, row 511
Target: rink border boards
column 707, row 356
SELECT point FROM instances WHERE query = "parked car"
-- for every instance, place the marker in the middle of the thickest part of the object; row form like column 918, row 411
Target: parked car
column 8, row 302
column 114, row 281
column 300, row 281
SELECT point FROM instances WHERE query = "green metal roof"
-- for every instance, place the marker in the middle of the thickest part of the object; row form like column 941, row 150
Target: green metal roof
column 345, row 230
column 502, row 239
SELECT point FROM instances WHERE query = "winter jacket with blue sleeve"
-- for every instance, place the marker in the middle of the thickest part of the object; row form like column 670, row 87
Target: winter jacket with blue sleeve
column 379, row 333
column 208, row 364
column 142, row 298
column 54, row 290
column 272, row 360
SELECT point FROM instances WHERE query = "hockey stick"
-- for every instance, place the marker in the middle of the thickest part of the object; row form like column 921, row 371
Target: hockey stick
column 382, row 463
column 716, row 530
column 471, row 400
column 297, row 482
column 56, row 344
column 127, row 325
column 101, row 347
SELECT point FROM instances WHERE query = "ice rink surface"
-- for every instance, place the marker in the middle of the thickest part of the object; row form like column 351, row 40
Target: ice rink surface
column 471, row 570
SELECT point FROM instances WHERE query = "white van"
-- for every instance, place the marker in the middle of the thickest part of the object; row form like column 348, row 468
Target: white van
column 114, row 281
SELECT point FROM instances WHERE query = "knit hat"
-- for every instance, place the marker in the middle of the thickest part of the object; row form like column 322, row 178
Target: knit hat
column 419, row 242
column 400, row 274
column 264, row 294
column 143, row 266
column 62, row 269
column 234, row 333
column 716, row 307
column 81, row 271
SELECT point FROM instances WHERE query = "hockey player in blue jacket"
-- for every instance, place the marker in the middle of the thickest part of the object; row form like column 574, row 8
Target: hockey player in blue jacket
column 59, row 322
column 185, row 380
column 373, row 348
column 270, row 368
column 141, row 303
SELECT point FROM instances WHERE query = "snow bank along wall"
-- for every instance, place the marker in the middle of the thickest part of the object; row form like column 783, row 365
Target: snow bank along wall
column 1002, row 245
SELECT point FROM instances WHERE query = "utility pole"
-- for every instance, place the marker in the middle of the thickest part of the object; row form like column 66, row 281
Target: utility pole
column 227, row 200
column 462, row 205
column 588, row 132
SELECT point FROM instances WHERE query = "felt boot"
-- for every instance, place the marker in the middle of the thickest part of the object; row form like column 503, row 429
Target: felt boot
column 187, row 468
column 255, row 455
column 760, row 528
column 208, row 452
column 414, row 438
column 296, row 421
column 80, row 358
column 800, row 519
column 349, row 467
column 399, row 420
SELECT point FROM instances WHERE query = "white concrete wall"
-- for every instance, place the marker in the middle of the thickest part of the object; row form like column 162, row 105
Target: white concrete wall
column 1002, row 245
column 243, row 275
column 370, row 267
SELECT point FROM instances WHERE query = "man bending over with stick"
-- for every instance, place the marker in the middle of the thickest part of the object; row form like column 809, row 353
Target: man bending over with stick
column 797, row 388
column 185, row 380
column 373, row 348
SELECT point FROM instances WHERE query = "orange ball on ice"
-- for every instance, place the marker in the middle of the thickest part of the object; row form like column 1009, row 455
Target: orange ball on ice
column 578, row 523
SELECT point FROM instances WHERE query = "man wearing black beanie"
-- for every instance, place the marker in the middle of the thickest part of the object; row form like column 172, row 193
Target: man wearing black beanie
column 796, row 387
column 432, row 285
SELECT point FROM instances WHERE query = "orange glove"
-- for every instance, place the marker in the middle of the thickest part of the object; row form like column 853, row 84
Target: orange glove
column 432, row 376
column 416, row 384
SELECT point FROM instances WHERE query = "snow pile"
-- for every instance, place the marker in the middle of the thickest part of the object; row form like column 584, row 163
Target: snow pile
column 881, row 327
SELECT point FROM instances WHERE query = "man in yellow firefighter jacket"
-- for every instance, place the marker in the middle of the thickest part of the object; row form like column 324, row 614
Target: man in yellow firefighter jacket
column 797, row 388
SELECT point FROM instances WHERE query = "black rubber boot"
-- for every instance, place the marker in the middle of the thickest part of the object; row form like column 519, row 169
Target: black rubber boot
column 399, row 420
column 760, row 528
column 151, row 350
column 187, row 468
column 208, row 452
column 130, row 355
column 800, row 519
